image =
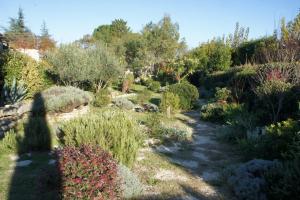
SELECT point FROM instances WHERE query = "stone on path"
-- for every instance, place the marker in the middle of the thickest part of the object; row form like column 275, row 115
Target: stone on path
column 210, row 175
column 185, row 163
column 168, row 175
column 170, row 149
column 200, row 156
column 23, row 163
column 51, row 162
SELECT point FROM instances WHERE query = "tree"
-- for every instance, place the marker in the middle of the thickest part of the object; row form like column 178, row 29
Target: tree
column 163, row 39
column 240, row 36
column 18, row 34
column 275, row 81
column 113, row 36
column 45, row 41
column 184, row 67
column 214, row 55
column 75, row 65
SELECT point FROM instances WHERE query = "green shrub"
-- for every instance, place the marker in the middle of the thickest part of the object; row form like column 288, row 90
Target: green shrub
column 10, row 142
column 222, row 94
column 154, row 86
column 213, row 112
column 170, row 100
column 64, row 99
column 131, row 185
column 102, row 98
column 143, row 97
column 220, row 112
column 25, row 69
column 122, row 139
column 153, row 122
column 283, row 180
column 37, row 135
column 88, row 172
column 187, row 93
column 173, row 134
column 77, row 66
column 123, row 103
column 281, row 141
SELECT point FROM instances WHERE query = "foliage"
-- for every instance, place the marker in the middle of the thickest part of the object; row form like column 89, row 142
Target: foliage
column 183, row 67
column 9, row 144
column 63, row 99
column 282, row 180
column 253, row 51
column 187, row 93
column 220, row 112
column 123, row 103
column 240, row 36
column 281, row 141
column 170, row 100
column 23, row 68
column 222, row 94
column 173, row 133
column 154, row 86
column 163, row 39
column 18, row 34
column 34, row 135
column 37, row 136
column 45, row 40
column 75, row 65
column 131, row 185
column 247, row 180
column 102, row 98
column 88, row 172
column 143, row 97
column 14, row 93
column 122, row 139
column 275, row 83
column 213, row 56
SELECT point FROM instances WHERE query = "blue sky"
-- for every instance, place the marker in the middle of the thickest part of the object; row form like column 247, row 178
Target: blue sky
column 199, row 20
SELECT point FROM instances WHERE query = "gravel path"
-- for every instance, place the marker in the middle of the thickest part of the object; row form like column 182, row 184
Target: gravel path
column 201, row 161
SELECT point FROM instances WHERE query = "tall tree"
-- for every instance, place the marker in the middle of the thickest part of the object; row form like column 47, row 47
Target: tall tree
column 45, row 40
column 18, row 34
column 239, row 36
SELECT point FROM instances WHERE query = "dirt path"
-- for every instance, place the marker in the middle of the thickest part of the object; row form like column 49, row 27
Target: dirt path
column 187, row 171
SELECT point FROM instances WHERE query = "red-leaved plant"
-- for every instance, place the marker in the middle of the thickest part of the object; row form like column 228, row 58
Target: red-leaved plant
column 88, row 172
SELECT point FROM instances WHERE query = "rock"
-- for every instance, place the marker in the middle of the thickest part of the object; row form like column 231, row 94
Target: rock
column 24, row 108
column 139, row 109
column 23, row 163
column 186, row 163
column 168, row 175
column 210, row 176
column 14, row 157
column 51, row 162
column 150, row 107
column 164, row 149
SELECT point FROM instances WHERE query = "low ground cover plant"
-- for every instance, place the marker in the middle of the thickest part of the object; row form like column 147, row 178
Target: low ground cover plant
column 88, row 172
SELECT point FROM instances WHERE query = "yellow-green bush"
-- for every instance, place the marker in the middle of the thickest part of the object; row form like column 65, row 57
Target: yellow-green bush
column 102, row 98
column 171, row 100
column 26, row 70
column 113, row 130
